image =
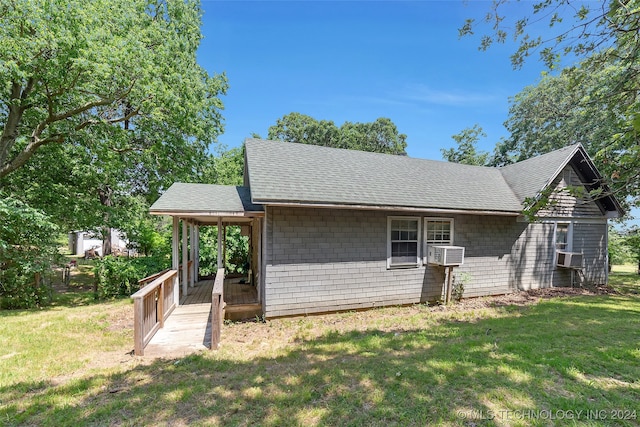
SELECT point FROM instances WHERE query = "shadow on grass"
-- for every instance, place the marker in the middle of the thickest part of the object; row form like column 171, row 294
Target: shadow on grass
column 627, row 282
column 577, row 354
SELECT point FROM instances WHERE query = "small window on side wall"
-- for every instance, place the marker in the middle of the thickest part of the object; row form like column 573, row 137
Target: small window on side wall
column 403, row 237
column 563, row 236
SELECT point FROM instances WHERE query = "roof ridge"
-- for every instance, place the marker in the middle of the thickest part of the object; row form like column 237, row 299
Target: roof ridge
column 537, row 157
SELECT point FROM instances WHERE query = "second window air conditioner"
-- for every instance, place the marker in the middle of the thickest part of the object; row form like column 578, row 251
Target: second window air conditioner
column 445, row 255
column 569, row 259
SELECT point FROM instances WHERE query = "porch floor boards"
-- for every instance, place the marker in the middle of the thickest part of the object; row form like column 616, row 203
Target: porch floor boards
column 188, row 328
column 234, row 293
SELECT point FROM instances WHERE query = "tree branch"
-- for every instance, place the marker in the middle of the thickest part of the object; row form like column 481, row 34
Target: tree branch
column 16, row 110
column 110, row 121
column 25, row 155
column 10, row 132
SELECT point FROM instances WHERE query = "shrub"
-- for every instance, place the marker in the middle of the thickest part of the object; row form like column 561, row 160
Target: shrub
column 118, row 276
column 237, row 247
column 28, row 249
column 459, row 281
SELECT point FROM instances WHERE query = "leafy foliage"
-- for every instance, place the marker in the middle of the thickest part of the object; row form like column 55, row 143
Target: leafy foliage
column 148, row 235
column 580, row 29
column 619, row 251
column 632, row 241
column 27, row 246
column 595, row 102
column 237, row 251
column 459, row 282
column 569, row 108
column 103, row 106
column 380, row 136
column 225, row 168
column 118, row 276
column 467, row 153
column 104, row 74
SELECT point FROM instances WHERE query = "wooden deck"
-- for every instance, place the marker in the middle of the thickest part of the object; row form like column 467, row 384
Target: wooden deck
column 188, row 329
column 235, row 293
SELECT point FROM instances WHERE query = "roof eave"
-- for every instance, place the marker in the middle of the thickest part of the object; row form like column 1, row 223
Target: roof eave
column 328, row 205
column 187, row 214
column 578, row 148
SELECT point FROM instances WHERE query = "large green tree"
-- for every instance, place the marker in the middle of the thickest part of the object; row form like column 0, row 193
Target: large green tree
column 594, row 101
column 559, row 110
column 380, row 136
column 119, row 73
column 225, row 167
column 568, row 108
column 27, row 247
column 102, row 103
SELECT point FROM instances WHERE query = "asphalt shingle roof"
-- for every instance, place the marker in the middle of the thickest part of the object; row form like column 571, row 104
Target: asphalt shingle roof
column 281, row 172
column 205, row 198
column 290, row 173
column 528, row 177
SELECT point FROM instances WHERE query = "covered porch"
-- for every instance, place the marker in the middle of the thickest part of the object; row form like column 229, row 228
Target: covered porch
column 198, row 291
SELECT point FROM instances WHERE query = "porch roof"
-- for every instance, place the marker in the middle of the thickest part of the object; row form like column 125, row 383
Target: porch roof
column 202, row 201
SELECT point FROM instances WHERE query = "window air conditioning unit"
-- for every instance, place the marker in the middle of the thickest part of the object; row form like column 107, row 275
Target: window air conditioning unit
column 569, row 259
column 445, row 255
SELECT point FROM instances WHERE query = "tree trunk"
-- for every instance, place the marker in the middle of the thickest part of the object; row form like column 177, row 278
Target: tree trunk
column 105, row 200
column 106, row 241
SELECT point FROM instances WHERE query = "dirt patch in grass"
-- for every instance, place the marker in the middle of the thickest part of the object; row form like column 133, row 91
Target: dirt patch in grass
column 529, row 297
column 121, row 319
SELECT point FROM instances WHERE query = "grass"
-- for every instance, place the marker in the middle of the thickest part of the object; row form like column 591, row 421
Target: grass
column 537, row 364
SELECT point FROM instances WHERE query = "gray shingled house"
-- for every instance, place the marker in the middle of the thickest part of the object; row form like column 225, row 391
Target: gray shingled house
column 334, row 229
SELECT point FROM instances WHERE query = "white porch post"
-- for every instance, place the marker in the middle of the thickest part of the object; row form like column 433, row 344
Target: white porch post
column 192, row 252
column 220, row 260
column 185, row 260
column 224, row 245
column 175, row 261
column 258, row 273
column 196, row 259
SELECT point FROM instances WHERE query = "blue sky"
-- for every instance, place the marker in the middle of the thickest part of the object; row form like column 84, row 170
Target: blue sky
column 360, row 60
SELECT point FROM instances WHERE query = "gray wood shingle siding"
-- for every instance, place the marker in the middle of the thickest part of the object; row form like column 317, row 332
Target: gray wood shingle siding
column 335, row 259
column 591, row 240
column 324, row 260
column 564, row 203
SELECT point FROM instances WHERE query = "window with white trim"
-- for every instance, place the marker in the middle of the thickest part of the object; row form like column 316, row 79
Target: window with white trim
column 403, row 235
column 563, row 236
column 438, row 231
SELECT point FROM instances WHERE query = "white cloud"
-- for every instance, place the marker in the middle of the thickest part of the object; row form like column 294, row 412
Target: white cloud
column 450, row 97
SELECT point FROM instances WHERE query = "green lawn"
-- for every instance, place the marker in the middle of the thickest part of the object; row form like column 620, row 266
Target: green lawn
column 563, row 361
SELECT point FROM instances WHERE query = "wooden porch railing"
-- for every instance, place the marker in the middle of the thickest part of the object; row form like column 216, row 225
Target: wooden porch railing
column 217, row 309
column 151, row 306
column 144, row 282
column 189, row 263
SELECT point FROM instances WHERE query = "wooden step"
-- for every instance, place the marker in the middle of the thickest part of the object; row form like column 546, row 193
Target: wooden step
column 242, row 311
